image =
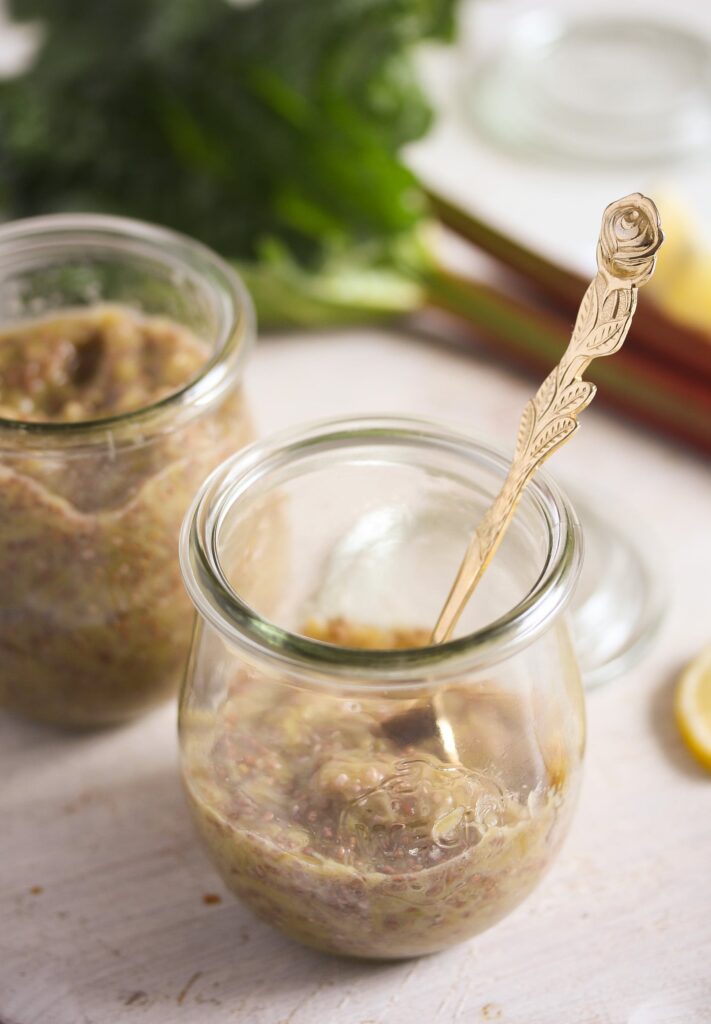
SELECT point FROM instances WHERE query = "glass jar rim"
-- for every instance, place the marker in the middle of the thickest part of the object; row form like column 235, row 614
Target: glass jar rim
column 236, row 329
column 217, row 601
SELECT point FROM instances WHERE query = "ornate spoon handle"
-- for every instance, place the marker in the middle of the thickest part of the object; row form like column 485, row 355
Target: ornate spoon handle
column 629, row 239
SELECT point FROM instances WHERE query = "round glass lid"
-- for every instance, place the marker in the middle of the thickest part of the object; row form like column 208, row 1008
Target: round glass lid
column 610, row 86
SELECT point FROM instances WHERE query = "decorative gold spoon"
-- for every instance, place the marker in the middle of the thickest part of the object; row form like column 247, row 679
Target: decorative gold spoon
column 629, row 239
column 626, row 253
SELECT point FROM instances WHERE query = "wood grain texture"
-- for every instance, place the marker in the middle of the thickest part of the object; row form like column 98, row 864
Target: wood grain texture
column 103, row 918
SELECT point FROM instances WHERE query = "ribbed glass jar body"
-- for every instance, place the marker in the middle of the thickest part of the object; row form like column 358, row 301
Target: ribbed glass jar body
column 367, row 795
column 94, row 623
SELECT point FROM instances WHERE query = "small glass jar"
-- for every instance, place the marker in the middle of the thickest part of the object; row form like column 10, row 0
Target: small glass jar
column 94, row 623
column 368, row 796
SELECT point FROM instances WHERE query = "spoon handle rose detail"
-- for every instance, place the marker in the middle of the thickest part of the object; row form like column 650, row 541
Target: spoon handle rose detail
column 626, row 253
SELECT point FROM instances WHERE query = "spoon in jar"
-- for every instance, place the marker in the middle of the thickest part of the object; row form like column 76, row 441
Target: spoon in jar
column 626, row 254
column 630, row 236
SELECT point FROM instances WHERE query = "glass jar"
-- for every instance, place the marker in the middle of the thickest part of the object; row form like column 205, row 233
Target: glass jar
column 372, row 801
column 94, row 623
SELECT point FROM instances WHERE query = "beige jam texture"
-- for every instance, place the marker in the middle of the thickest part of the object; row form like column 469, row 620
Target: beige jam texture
column 339, row 821
column 94, row 622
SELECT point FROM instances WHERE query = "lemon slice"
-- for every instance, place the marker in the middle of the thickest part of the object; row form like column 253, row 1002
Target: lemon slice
column 692, row 705
column 682, row 281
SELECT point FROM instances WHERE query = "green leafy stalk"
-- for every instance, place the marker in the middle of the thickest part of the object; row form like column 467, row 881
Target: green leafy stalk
column 238, row 124
column 272, row 131
column 345, row 289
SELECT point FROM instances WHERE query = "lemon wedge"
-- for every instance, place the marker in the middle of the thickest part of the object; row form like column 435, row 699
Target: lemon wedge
column 692, row 706
column 682, row 281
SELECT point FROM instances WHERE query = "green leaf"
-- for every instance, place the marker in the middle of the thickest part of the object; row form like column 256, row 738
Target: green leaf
column 233, row 123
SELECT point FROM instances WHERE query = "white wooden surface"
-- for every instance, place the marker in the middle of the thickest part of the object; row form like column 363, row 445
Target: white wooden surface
column 102, row 882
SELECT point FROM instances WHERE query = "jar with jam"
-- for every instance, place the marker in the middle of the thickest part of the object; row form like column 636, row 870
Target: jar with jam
column 122, row 350
column 366, row 792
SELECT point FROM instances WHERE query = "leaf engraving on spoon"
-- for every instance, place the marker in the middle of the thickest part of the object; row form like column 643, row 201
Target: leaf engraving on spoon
column 629, row 239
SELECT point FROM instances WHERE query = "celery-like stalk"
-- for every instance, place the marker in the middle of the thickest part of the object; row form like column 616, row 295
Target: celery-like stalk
column 653, row 332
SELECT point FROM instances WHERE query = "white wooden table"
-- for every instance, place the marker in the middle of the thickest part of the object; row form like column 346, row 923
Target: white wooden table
column 111, row 914
column 103, row 910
